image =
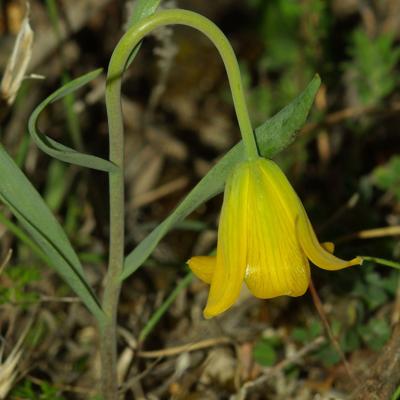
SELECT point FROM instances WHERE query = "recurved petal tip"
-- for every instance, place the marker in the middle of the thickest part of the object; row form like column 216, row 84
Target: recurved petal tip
column 320, row 255
column 328, row 246
column 356, row 261
column 206, row 315
column 203, row 267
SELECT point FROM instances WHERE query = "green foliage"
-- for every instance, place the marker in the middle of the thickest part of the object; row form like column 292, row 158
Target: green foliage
column 36, row 334
column 396, row 394
column 260, row 99
column 279, row 27
column 292, row 49
column 20, row 277
column 143, row 9
column 387, row 176
column 307, row 334
column 350, row 341
column 327, row 355
column 81, row 364
column 370, row 292
column 56, row 185
column 265, row 351
column 372, row 66
column 27, row 390
column 34, row 215
column 376, row 333
column 373, row 289
column 163, row 308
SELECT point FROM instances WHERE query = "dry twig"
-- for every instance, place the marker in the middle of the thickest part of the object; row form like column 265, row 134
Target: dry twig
column 335, row 343
column 372, row 233
column 173, row 351
column 340, row 116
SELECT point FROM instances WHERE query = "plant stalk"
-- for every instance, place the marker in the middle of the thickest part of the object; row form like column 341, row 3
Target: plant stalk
column 112, row 286
column 118, row 63
column 108, row 338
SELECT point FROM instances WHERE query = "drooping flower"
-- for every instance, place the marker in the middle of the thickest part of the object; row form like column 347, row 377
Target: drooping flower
column 265, row 239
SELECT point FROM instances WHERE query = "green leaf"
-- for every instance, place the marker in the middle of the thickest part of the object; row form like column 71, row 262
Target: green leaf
column 387, row 176
column 57, row 184
column 34, row 215
column 58, row 150
column 350, row 341
column 142, row 9
column 376, row 333
column 272, row 137
column 264, row 353
column 300, row 334
column 372, row 66
column 307, row 334
column 328, row 355
column 315, row 329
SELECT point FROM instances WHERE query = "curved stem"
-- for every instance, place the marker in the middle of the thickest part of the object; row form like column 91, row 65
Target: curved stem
column 382, row 261
column 182, row 17
column 117, row 66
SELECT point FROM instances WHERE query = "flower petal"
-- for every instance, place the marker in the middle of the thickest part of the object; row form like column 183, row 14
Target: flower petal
column 230, row 266
column 314, row 251
column 276, row 265
column 203, row 267
column 328, row 246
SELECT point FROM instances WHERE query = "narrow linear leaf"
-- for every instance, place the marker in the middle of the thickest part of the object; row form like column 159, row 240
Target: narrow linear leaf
column 22, row 236
column 155, row 318
column 272, row 137
column 142, row 9
column 35, row 217
column 58, row 150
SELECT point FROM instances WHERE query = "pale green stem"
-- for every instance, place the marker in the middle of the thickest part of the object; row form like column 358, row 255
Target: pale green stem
column 116, row 69
column 182, row 17
column 382, row 261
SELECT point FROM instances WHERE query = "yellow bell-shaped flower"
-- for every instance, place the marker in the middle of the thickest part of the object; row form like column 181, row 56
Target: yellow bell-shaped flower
column 265, row 239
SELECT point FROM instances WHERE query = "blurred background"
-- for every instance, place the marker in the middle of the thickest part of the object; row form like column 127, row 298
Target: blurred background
column 179, row 118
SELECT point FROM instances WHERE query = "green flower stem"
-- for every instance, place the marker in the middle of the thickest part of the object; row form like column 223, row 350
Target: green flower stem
column 182, row 17
column 118, row 64
column 382, row 261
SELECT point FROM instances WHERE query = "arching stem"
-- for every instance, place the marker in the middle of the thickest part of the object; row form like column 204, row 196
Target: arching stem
column 179, row 17
column 116, row 69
